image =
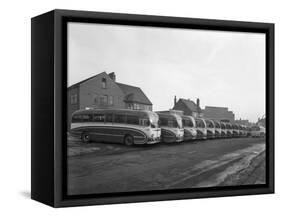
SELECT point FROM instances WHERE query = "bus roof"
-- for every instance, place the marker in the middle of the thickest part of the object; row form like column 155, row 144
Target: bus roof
column 187, row 117
column 200, row 119
column 160, row 114
column 115, row 111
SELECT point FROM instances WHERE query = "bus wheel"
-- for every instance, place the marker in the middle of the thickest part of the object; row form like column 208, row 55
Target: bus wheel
column 85, row 137
column 128, row 140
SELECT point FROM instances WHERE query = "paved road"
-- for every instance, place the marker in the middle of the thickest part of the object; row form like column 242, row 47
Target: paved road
column 115, row 168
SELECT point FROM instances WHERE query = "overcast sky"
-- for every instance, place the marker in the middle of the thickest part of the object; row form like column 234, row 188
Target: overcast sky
column 221, row 68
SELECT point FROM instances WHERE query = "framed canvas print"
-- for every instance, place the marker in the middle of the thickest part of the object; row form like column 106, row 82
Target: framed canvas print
column 131, row 108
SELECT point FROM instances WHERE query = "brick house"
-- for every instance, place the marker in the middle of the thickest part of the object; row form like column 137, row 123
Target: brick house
column 102, row 91
column 188, row 107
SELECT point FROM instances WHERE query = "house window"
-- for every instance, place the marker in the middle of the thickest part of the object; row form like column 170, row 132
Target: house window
column 110, row 100
column 136, row 106
column 130, row 106
column 104, row 100
column 147, row 107
column 103, row 83
column 96, row 100
column 73, row 99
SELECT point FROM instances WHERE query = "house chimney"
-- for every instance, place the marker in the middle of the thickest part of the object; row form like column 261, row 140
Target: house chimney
column 175, row 100
column 112, row 76
column 198, row 102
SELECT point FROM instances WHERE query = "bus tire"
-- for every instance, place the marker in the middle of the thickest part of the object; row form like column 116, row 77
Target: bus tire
column 85, row 138
column 128, row 140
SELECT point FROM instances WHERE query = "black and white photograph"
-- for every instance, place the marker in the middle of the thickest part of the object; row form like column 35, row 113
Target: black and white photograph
column 155, row 108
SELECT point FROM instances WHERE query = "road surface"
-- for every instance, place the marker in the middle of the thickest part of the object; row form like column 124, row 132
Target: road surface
column 104, row 168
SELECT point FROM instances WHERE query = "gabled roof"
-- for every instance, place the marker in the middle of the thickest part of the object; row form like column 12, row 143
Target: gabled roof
column 134, row 94
column 191, row 105
column 87, row 79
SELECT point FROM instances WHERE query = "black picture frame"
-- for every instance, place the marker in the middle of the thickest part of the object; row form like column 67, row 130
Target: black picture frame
column 48, row 75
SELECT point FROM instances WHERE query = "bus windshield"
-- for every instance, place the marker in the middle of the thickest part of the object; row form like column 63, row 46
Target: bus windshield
column 200, row 123
column 228, row 126
column 209, row 124
column 154, row 119
column 179, row 122
column 217, row 125
column 187, row 122
column 171, row 122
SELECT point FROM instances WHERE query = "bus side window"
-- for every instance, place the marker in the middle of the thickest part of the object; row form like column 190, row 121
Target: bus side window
column 76, row 118
column 87, row 118
column 108, row 118
column 99, row 118
column 133, row 120
column 81, row 118
column 120, row 119
column 144, row 122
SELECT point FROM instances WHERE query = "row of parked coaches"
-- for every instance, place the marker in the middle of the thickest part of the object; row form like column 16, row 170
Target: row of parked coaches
column 201, row 128
column 147, row 127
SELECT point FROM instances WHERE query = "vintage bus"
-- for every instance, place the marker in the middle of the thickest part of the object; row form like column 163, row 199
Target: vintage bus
column 257, row 131
column 236, row 130
column 245, row 130
column 171, row 127
column 210, row 129
column 223, row 130
column 229, row 129
column 189, row 126
column 116, row 126
column 241, row 130
column 218, row 131
column 201, row 128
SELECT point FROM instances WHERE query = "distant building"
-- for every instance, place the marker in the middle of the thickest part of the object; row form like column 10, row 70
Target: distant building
column 219, row 114
column 188, row 107
column 243, row 122
column 102, row 91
